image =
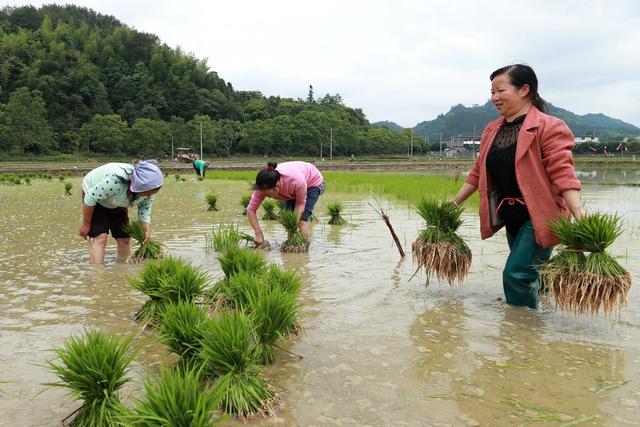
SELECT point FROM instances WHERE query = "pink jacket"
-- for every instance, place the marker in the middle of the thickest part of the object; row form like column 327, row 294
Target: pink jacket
column 544, row 170
column 295, row 178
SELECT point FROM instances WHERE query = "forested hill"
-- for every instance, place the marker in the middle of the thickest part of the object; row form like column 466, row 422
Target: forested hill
column 461, row 120
column 73, row 80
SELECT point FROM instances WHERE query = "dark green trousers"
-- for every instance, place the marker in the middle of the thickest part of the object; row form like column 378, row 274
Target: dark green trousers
column 520, row 277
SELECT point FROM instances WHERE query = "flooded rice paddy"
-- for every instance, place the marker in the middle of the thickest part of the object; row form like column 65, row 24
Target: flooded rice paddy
column 379, row 349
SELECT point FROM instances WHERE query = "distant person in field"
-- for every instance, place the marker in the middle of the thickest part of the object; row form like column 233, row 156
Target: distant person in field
column 525, row 176
column 298, row 184
column 108, row 191
column 200, row 166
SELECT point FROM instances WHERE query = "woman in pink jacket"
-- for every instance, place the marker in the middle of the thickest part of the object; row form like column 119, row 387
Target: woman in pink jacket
column 298, row 184
column 525, row 177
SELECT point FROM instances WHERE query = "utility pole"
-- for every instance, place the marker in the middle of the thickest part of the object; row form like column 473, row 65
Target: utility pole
column 331, row 145
column 172, row 147
column 474, row 141
column 440, row 144
column 321, row 158
column 200, row 140
column 411, row 152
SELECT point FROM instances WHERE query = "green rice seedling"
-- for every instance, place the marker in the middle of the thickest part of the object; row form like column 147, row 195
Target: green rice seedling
column 244, row 202
column 226, row 236
column 166, row 282
column 176, row 398
column 334, row 209
column 17, row 181
column 150, row 249
column 295, row 240
column 228, row 352
column 438, row 248
column 67, row 188
column 269, row 206
column 234, row 260
column 27, row 180
column 177, row 176
column 200, row 178
column 94, row 368
column 288, row 281
column 274, row 314
column 212, row 201
column 236, row 291
column 587, row 283
column 62, row 176
column 181, row 328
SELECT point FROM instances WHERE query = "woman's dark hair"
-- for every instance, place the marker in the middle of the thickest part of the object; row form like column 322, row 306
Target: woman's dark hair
column 267, row 178
column 520, row 75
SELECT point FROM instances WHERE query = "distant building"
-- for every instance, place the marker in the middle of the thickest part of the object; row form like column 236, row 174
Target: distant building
column 583, row 139
column 457, row 152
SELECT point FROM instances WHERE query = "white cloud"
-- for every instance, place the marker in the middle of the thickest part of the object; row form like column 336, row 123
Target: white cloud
column 405, row 60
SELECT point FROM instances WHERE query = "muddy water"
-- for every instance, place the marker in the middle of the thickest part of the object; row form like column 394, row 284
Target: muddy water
column 378, row 350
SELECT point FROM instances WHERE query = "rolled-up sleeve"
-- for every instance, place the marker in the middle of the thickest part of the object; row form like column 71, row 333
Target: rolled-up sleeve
column 256, row 200
column 144, row 209
column 557, row 157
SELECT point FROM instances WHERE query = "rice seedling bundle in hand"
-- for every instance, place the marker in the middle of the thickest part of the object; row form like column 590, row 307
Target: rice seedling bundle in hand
column 586, row 283
column 269, row 206
column 244, row 202
column 228, row 352
column 168, row 281
column 295, row 240
column 176, row 398
column 334, row 209
column 150, row 249
column 94, row 369
column 438, row 248
column 212, row 201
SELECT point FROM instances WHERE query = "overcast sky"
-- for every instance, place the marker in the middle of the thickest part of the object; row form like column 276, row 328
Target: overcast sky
column 401, row 60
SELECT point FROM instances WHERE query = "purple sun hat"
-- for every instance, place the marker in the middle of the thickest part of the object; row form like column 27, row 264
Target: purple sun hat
column 146, row 176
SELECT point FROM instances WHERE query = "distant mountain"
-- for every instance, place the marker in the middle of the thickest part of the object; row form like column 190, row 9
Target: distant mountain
column 389, row 125
column 461, row 120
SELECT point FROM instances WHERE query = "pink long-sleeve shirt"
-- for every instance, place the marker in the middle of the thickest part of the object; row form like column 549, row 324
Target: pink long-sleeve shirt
column 295, row 178
column 544, row 170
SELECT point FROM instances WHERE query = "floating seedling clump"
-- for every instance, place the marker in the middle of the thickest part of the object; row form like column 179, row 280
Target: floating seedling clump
column 438, row 248
column 94, row 369
column 269, row 206
column 295, row 240
column 226, row 236
column 150, row 249
column 228, row 353
column 67, row 188
column 176, row 398
column 166, row 282
column 582, row 276
column 334, row 209
column 212, row 201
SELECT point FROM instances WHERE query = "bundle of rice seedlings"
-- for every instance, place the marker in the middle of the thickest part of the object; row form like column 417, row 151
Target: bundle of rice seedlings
column 181, row 330
column 228, row 352
column 274, row 314
column 235, row 259
column 167, row 282
column 200, row 178
column 236, row 291
column 150, row 249
column 438, row 248
column 269, row 206
column 176, row 398
column 67, row 188
column 244, row 202
column 276, row 278
column 177, row 177
column 334, row 209
column 212, row 201
column 586, row 284
column 295, row 241
column 94, row 369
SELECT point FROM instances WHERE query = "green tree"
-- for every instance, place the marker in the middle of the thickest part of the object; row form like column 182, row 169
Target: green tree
column 26, row 129
column 106, row 134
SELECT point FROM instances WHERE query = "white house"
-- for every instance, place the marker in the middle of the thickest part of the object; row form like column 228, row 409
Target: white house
column 583, row 139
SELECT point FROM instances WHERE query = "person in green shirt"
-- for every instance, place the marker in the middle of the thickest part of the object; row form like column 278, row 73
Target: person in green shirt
column 200, row 166
column 108, row 191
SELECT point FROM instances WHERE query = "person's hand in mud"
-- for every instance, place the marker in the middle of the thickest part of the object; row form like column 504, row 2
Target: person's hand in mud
column 258, row 240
